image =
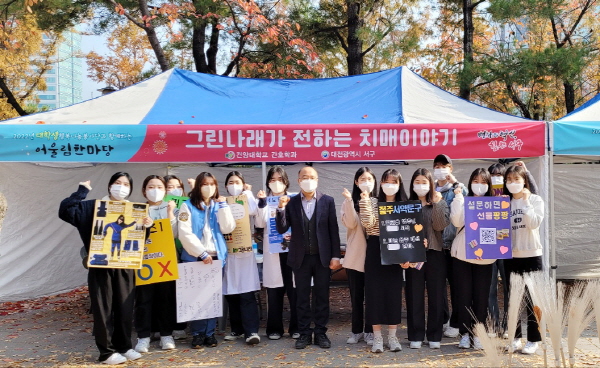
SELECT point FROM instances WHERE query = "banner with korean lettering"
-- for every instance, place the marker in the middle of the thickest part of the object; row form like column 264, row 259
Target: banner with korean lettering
column 487, row 228
column 281, row 143
column 401, row 232
column 160, row 257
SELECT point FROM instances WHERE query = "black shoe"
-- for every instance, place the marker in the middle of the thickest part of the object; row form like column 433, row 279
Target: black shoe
column 322, row 340
column 210, row 341
column 303, row 341
column 198, row 341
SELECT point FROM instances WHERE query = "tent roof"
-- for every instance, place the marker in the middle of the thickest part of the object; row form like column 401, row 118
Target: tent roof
column 589, row 111
column 392, row 96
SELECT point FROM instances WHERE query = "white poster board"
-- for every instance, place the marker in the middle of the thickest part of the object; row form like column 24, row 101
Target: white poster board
column 199, row 291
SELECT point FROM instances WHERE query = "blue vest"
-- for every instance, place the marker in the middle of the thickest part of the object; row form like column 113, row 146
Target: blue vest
column 198, row 217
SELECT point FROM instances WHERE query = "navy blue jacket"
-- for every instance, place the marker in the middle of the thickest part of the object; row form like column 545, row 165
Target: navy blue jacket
column 80, row 213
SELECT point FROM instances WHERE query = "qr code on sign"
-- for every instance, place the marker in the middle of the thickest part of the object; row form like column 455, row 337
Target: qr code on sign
column 487, row 235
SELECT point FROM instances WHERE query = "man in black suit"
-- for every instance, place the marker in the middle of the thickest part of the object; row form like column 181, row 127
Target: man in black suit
column 314, row 251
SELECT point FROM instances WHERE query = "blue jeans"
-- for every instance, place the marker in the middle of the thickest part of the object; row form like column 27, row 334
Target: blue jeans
column 204, row 327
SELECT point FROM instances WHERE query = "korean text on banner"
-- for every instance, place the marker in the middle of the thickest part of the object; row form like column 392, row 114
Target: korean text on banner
column 276, row 240
column 160, row 257
column 240, row 240
column 487, row 228
column 199, row 291
column 118, row 235
column 401, row 232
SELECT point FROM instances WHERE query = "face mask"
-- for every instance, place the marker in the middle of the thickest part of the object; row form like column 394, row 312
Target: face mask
column 308, row 185
column 515, row 188
column 441, row 174
column 177, row 192
column 479, row 189
column 277, row 187
column 366, row 186
column 155, row 195
column 208, row 190
column 421, row 189
column 390, row 189
column 119, row 192
column 497, row 180
column 235, row 189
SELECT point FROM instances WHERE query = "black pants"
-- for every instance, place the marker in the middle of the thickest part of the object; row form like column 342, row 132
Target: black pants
column 521, row 266
column 155, row 303
column 356, row 284
column 312, row 268
column 450, row 315
column 472, row 293
column 493, row 308
column 243, row 313
column 433, row 277
column 275, row 301
column 112, row 296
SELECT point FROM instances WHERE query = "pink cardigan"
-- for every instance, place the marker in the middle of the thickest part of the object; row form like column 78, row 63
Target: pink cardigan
column 356, row 243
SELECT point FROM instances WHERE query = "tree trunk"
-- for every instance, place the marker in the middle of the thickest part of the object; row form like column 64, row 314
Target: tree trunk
column 153, row 38
column 569, row 96
column 213, row 47
column 466, row 76
column 198, row 37
column 10, row 98
column 517, row 101
column 354, row 58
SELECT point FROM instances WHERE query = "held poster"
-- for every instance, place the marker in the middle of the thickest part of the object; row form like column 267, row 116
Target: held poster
column 487, row 228
column 401, row 232
column 160, row 257
column 118, row 235
column 240, row 240
column 199, row 291
column 276, row 240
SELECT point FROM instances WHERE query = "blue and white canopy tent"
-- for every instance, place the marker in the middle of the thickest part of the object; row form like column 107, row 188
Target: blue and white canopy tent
column 147, row 123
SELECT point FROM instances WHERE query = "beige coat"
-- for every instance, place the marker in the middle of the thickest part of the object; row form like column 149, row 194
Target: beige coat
column 356, row 243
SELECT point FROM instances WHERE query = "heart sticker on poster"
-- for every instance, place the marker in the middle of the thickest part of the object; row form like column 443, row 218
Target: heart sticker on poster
column 505, row 204
column 503, row 249
column 479, row 252
column 474, row 225
column 418, row 227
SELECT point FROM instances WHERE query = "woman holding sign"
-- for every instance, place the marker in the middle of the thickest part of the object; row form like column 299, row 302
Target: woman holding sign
column 241, row 279
column 383, row 283
column 436, row 216
column 473, row 276
column 202, row 221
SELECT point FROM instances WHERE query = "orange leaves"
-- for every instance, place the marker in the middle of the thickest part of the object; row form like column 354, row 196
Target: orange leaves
column 119, row 9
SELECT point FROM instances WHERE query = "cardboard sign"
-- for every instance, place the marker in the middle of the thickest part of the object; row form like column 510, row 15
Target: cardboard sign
column 401, row 232
column 240, row 240
column 199, row 291
column 118, row 235
column 487, row 228
column 276, row 240
column 160, row 257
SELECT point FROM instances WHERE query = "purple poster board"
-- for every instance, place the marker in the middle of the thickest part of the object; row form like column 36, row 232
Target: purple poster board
column 487, row 228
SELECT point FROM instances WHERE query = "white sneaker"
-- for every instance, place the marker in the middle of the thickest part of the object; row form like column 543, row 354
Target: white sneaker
column 253, row 339
column 477, row 343
column 115, row 358
column 435, row 345
column 273, row 336
column 530, row 348
column 233, row 336
column 377, row 345
column 465, row 342
column 515, row 345
column 132, row 355
column 167, row 342
column 415, row 344
column 451, row 332
column 142, row 345
column 296, row 335
column 179, row 335
column 505, row 336
column 369, row 338
column 445, row 326
column 394, row 344
column 355, row 338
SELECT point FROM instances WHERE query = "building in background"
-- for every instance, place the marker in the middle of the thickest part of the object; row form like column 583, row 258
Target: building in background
column 65, row 80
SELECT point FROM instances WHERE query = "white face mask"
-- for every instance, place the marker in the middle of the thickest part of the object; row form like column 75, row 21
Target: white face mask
column 390, row 189
column 515, row 188
column 497, row 180
column 119, row 192
column 155, row 195
column 235, row 189
column 479, row 189
column 421, row 189
column 441, row 174
column 177, row 192
column 367, row 186
column 308, row 185
column 277, row 187
column 208, row 190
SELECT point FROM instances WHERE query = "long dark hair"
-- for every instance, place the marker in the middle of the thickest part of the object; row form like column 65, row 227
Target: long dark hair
column 497, row 169
column 427, row 174
column 196, row 193
column 169, row 178
column 356, row 190
column 485, row 175
column 515, row 170
column 395, row 175
column 117, row 176
column 147, row 180
column 284, row 178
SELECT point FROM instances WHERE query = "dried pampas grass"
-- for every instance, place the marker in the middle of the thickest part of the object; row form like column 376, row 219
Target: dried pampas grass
column 492, row 345
column 580, row 314
column 515, row 304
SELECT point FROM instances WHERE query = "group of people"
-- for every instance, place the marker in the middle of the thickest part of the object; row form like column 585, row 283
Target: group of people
column 303, row 273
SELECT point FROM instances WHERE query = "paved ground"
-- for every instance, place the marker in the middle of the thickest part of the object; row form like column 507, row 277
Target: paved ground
column 56, row 331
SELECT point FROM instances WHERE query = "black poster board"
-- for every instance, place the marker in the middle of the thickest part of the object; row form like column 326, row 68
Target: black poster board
column 401, row 232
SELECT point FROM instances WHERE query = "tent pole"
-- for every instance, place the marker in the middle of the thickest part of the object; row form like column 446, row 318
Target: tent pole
column 553, row 265
column 264, row 176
